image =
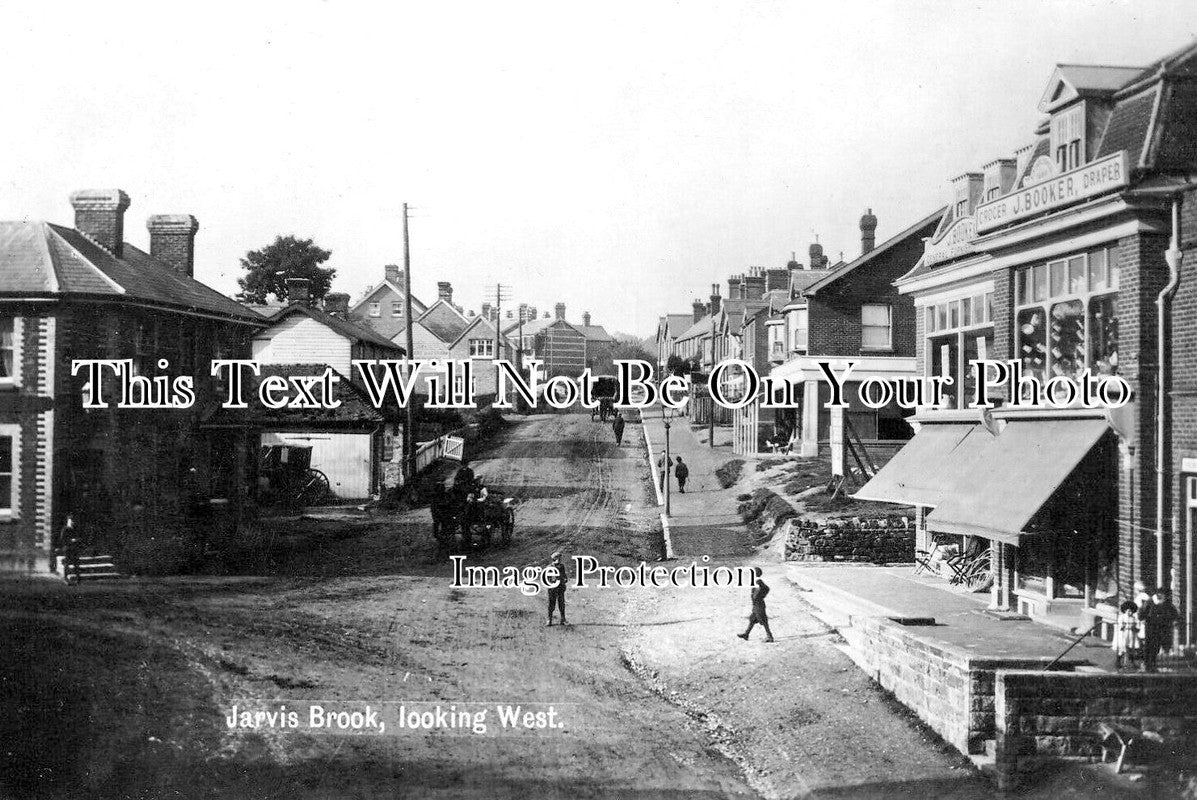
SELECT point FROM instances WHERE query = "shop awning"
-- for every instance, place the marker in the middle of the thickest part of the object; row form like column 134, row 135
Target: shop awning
column 997, row 496
column 927, row 467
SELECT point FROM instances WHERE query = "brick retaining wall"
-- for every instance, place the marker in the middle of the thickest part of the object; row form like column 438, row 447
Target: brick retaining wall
column 1050, row 714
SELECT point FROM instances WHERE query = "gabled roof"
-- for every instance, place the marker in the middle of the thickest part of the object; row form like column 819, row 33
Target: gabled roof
column 535, row 326
column 676, row 324
column 350, row 330
column 394, row 287
column 595, row 333
column 475, row 323
column 800, row 279
column 1070, row 81
column 921, row 229
column 41, row 258
column 443, row 320
column 698, row 329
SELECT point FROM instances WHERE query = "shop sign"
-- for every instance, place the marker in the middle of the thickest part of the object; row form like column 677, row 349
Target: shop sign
column 957, row 240
column 1088, row 181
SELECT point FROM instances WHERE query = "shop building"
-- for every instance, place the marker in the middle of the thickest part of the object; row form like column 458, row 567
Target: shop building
column 1061, row 258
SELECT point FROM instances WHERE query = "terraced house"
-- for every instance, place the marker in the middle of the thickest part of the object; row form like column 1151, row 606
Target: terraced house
column 82, row 291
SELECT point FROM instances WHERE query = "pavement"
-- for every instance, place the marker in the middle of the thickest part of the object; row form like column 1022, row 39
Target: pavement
column 703, row 520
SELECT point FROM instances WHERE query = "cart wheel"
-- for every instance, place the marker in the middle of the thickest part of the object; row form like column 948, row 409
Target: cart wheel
column 315, row 488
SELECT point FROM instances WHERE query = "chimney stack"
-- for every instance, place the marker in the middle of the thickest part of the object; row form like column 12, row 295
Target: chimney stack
column 793, row 265
column 754, row 286
column 715, row 299
column 586, row 318
column 735, row 289
column 817, row 259
column 777, row 279
column 298, row 290
column 444, row 291
column 100, row 214
column 394, row 273
column 868, row 227
column 337, row 304
column 486, row 311
column 172, row 241
column 559, row 310
column 699, row 309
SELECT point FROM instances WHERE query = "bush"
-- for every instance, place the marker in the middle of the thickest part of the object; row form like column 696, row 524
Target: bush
column 729, row 473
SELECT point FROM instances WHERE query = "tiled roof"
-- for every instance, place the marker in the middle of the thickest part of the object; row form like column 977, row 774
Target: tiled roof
column 43, row 258
column 922, row 228
column 1127, row 128
column 595, row 333
column 700, row 328
column 443, row 321
column 678, row 323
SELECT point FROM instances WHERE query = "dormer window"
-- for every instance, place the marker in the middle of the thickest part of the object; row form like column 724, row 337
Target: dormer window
column 1068, row 137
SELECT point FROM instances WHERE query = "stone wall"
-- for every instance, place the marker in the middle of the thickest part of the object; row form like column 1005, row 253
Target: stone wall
column 879, row 541
column 949, row 689
column 1051, row 714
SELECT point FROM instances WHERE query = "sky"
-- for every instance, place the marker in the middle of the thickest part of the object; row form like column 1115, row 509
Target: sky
column 616, row 157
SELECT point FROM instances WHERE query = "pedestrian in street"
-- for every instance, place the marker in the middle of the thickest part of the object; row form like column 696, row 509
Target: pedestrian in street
column 759, row 615
column 70, row 550
column 1126, row 635
column 556, row 578
column 681, row 472
column 1160, row 622
column 664, row 467
column 617, row 425
column 463, row 481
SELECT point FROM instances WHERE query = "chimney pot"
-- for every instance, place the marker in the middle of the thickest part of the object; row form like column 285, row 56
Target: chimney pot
column 444, row 290
column 298, row 290
column 586, row 319
column 172, row 241
column 100, row 214
column 559, row 310
column 394, row 273
column 699, row 310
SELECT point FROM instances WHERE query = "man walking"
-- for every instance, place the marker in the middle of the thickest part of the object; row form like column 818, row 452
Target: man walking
column 758, row 615
column 556, row 578
column 617, row 426
column 681, row 472
column 1160, row 622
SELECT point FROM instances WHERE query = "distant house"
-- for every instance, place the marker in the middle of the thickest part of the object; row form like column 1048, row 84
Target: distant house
column 561, row 346
column 356, row 445
column 669, row 328
column 600, row 346
column 383, row 309
column 125, row 475
column 476, row 343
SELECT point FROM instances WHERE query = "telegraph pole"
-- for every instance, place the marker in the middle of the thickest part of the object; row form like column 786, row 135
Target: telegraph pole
column 409, row 429
column 711, row 420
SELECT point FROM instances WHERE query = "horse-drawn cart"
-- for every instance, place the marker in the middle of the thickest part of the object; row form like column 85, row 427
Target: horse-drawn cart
column 286, row 476
column 478, row 520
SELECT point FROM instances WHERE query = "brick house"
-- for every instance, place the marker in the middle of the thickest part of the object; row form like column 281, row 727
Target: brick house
column 1058, row 257
column 476, row 343
column 382, row 308
column 562, row 347
column 124, row 474
column 855, row 313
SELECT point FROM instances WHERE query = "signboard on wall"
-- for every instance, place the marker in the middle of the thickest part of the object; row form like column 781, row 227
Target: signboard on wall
column 957, row 240
column 1097, row 177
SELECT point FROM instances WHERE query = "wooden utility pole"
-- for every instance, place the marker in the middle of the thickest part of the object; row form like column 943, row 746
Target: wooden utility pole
column 409, row 428
column 714, row 355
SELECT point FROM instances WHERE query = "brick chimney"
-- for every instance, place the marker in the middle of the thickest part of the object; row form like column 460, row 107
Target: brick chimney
column 793, row 265
column 298, row 290
column 100, row 213
column 172, row 241
column 868, row 229
column 777, row 278
column 735, row 289
column 394, row 273
column 715, row 299
column 486, row 310
column 817, row 259
column 586, row 318
column 699, row 308
column 559, row 310
column 754, row 287
column 337, row 304
column 444, row 291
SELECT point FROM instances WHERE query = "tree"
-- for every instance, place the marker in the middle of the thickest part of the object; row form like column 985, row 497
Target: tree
column 676, row 365
column 630, row 350
column 267, row 270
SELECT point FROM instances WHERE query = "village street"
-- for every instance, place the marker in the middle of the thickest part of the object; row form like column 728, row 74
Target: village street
column 120, row 689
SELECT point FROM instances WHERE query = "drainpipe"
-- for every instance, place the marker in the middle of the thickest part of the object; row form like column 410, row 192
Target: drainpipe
column 1174, row 257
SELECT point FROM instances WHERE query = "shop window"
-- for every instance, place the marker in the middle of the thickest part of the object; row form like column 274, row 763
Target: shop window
column 977, row 347
column 945, row 360
column 965, row 327
column 876, row 327
column 10, row 351
column 1067, row 319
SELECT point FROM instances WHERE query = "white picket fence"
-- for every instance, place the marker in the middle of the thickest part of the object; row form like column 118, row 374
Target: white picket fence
column 441, row 447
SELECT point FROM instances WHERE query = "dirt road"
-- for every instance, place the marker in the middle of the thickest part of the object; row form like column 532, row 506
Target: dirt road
column 121, row 690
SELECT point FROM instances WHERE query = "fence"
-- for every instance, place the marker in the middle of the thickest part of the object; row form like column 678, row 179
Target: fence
column 441, row 447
